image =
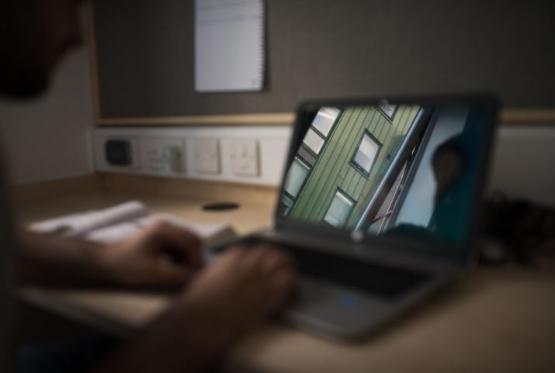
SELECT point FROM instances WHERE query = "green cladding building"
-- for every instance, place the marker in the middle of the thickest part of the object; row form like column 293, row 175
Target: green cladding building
column 342, row 159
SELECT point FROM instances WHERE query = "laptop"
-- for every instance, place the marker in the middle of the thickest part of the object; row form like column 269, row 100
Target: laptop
column 379, row 206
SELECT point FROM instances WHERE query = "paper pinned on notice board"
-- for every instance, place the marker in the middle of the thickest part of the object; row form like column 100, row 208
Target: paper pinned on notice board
column 229, row 45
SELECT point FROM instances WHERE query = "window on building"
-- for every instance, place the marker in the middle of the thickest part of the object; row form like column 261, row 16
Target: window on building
column 324, row 120
column 339, row 210
column 388, row 110
column 313, row 141
column 320, row 129
column 286, row 204
column 366, row 153
column 296, row 176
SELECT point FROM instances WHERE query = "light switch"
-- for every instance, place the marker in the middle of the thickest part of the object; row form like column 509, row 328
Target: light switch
column 207, row 155
column 245, row 157
column 162, row 155
column 174, row 158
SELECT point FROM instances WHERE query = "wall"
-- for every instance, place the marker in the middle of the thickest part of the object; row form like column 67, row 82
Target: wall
column 523, row 162
column 47, row 139
column 330, row 48
column 337, row 48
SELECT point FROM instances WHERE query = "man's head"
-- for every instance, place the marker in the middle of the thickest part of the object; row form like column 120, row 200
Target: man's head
column 448, row 162
column 34, row 35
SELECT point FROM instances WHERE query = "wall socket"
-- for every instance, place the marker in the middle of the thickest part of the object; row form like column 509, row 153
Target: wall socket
column 251, row 155
column 207, row 155
column 245, row 157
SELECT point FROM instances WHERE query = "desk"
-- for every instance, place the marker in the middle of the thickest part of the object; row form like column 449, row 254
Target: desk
column 494, row 320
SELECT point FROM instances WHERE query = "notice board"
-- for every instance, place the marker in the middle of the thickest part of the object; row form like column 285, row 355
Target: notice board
column 144, row 62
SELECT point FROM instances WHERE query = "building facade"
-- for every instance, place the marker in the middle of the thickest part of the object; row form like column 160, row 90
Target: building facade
column 343, row 156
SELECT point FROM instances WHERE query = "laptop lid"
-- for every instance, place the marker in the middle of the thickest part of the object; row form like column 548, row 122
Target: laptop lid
column 403, row 175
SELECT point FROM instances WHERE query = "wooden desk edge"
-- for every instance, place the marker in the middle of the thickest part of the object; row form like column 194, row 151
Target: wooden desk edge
column 43, row 298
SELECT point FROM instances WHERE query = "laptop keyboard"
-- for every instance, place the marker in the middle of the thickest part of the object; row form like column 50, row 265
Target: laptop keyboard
column 384, row 281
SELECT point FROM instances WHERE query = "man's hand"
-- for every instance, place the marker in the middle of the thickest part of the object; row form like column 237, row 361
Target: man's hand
column 162, row 255
column 239, row 289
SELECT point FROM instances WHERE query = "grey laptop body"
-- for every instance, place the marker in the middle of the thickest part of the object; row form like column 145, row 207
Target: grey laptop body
column 379, row 205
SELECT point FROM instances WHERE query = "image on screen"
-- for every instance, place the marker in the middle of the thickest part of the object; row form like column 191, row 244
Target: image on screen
column 388, row 170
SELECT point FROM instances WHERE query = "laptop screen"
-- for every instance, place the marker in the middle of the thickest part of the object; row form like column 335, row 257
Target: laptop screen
column 388, row 169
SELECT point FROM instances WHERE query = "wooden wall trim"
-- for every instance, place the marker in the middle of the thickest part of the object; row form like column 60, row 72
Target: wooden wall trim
column 282, row 119
column 528, row 116
column 508, row 116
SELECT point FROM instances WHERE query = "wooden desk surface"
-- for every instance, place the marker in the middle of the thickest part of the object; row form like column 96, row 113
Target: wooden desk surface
column 494, row 320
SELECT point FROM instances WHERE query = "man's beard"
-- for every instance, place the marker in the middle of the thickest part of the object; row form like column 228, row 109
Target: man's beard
column 22, row 84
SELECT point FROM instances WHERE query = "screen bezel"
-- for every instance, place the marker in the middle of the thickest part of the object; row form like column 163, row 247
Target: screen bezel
column 457, row 253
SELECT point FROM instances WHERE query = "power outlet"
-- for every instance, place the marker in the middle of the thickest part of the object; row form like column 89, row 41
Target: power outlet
column 207, row 155
column 163, row 155
column 245, row 157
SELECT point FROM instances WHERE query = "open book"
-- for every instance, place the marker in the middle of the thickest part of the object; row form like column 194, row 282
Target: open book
column 121, row 221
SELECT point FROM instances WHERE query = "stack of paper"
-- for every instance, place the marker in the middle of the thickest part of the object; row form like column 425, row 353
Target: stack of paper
column 119, row 222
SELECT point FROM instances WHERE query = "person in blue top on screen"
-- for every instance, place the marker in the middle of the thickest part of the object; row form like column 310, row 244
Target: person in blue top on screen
column 454, row 164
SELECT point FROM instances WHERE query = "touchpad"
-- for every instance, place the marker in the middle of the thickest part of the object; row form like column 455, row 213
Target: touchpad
column 329, row 309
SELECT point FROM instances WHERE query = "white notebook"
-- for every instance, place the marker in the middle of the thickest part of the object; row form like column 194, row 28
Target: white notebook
column 116, row 223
